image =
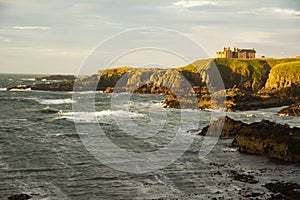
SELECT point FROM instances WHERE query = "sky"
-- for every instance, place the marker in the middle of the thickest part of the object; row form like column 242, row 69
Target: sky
column 57, row 37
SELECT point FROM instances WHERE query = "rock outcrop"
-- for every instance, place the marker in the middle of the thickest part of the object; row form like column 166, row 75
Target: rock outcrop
column 248, row 84
column 284, row 75
column 230, row 128
column 246, row 178
column 57, row 86
column 260, row 138
column 57, row 77
column 284, row 190
column 19, row 197
column 293, row 110
column 271, row 139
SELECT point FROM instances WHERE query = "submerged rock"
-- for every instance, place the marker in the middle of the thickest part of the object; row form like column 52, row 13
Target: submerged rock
column 246, row 178
column 293, row 110
column 271, row 139
column 19, row 197
column 283, row 190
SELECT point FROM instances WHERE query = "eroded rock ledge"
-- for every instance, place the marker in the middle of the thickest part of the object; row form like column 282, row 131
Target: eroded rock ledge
column 259, row 138
column 293, row 110
column 242, row 84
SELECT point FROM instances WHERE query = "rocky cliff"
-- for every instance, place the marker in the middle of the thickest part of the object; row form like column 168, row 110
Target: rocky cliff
column 147, row 80
column 268, row 138
column 284, row 75
column 248, row 84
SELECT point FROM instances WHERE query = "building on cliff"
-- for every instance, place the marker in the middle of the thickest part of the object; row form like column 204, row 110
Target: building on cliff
column 236, row 53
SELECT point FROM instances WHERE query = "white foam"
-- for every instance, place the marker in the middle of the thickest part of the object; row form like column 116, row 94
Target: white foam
column 28, row 79
column 3, row 89
column 55, row 101
column 82, row 92
column 93, row 116
column 104, row 113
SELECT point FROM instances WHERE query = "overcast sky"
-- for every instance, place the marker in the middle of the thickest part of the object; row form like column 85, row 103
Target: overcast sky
column 41, row 36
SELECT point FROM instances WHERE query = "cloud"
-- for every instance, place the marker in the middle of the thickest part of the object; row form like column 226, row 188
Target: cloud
column 287, row 11
column 32, row 27
column 252, row 37
column 274, row 10
column 191, row 4
column 4, row 39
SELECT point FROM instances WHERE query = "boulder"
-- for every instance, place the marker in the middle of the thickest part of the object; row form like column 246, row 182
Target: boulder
column 19, row 197
column 271, row 139
column 293, row 110
column 284, row 190
column 229, row 130
column 246, row 178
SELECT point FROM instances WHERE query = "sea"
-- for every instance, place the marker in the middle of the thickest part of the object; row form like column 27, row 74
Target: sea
column 123, row 146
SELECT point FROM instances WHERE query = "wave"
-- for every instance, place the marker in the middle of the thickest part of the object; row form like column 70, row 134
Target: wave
column 105, row 113
column 87, row 117
column 28, row 79
column 55, row 101
column 3, row 89
column 87, row 92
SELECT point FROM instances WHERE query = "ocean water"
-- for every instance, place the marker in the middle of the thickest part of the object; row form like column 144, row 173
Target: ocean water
column 47, row 148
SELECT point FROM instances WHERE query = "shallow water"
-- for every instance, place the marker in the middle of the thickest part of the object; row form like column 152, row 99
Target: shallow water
column 43, row 154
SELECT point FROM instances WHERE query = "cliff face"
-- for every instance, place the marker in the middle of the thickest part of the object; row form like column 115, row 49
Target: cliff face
column 249, row 84
column 268, row 138
column 249, row 75
column 149, row 79
column 284, row 75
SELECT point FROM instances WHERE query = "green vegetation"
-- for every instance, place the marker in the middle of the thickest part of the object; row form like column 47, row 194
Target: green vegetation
column 246, row 74
column 284, row 75
column 197, row 66
column 275, row 61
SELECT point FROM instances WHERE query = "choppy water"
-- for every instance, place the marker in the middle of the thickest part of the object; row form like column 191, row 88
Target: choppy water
column 42, row 153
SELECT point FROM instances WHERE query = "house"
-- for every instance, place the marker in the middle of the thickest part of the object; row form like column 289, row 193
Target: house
column 237, row 53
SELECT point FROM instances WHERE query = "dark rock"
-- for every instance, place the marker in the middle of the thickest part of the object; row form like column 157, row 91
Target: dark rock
column 284, row 190
column 243, row 177
column 59, row 86
column 254, row 194
column 49, row 110
column 277, row 196
column 268, row 138
column 293, row 110
column 229, row 130
column 57, row 77
column 253, row 102
column 19, row 197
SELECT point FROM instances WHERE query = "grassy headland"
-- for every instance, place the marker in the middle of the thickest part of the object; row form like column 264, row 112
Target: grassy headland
column 248, row 84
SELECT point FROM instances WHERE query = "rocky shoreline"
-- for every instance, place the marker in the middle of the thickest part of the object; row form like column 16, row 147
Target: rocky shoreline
column 248, row 84
column 292, row 110
column 263, row 138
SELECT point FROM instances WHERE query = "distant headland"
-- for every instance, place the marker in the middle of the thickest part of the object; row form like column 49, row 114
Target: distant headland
column 249, row 82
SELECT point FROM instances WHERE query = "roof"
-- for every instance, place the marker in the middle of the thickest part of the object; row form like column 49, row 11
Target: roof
column 248, row 50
